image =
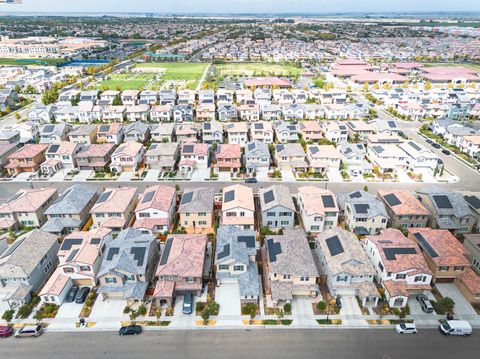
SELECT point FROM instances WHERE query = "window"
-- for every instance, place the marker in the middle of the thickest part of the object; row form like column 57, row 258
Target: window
column 110, row 280
column 222, row 267
column 443, row 268
column 458, row 268
column 342, row 278
column 318, row 219
column 190, row 280
column 238, row 268
column 476, row 263
column 231, row 214
column 202, row 223
column 202, row 214
column 420, row 278
column 242, row 214
column 68, row 270
column 85, row 268
column 380, row 266
column 270, row 214
column 286, row 276
column 384, row 220
column 285, row 214
column 304, row 279
column 400, row 276
column 284, row 223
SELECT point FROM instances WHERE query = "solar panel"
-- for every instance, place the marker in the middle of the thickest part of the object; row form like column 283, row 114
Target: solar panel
column 53, row 148
column 442, row 201
column 207, row 126
column 112, row 252
column 391, row 253
column 248, row 240
column 166, row 251
column 229, row 196
column 251, row 146
column 425, row 245
column 69, row 243
column 138, row 254
column 268, row 197
column 474, row 201
column 356, row 194
column 280, row 148
column 392, row 124
column 392, row 200
column 313, row 150
column 104, row 197
column 148, row 196
column 14, row 197
column 104, row 128
column 352, row 125
column 187, row 198
column 225, row 252
column 274, row 249
column 328, row 201
column 95, row 241
column 258, row 126
column 334, row 245
column 415, row 146
column 188, row 148
column 72, row 255
column 378, row 149
column 48, row 128
column 361, row 207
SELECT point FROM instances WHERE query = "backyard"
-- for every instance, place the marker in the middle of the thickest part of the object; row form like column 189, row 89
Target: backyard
column 257, row 69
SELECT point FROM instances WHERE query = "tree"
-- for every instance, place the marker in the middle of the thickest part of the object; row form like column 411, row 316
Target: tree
column 134, row 315
column 253, row 312
column 427, row 86
column 321, row 306
column 117, row 101
column 50, row 96
column 38, row 316
column 205, row 316
column 17, row 116
column 158, row 314
column 142, row 310
column 8, row 315
column 365, row 86
column 365, row 188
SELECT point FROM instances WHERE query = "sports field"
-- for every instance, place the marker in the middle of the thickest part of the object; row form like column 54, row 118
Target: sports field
column 178, row 71
column 24, row 62
column 256, row 69
column 129, row 81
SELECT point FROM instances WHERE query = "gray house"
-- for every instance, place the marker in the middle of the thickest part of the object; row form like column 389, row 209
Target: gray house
column 257, row 157
column 227, row 113
column 278, row 210
column 235, row 261
column 70, row 211
column 137, row 131
column 128, row 266
column 26, row 265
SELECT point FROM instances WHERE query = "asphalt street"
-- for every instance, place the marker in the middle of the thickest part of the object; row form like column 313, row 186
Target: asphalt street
column 241, row 344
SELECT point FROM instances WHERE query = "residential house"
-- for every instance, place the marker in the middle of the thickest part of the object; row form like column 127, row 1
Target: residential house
column 249, row 112
column 318, row 208
column 163, row 132
column 110, row 133
column 109, row 95
column 363, row 213
column 148, row 97
column 290, row 156
column 187, row 133
column 79, row 259
column 114, row 113
column 449, row 210
column 261, row 131
column 238, row 208
column 84, row 134
column 130, row 97
column 212, row 132
column 196, row 210
column 127, row 157
column 277, row 208
column 288, row 267
column 183, row 113
column 71, row 210
column 286, row 132
column 237, row 133
column 473, row 200
column 400, row 266
column 224, row 97
column 161, row 113
column 310, row 130
column 138, row 131
column 404, row 209
column 244, row 96
column 421, row 160
column 162, row 156
column 389, row 127
column 26, row 266
column 346, row 266
column 271, row 112
column 235, row 261
column 54, row 133
column 353, row 153
column 192, row 156
column 60, row 156
column 9, row 137
column 5, row 151
column 66, row 114
column 181, row 267
column 443, row 253
column 388, row 158
column 206, row 112
column 360, row 130
column 335, row 132
column 323, row 158
column 293, row 112
column 186, row 97
column 257, row 157
column 227, row 158
column 167, row 97
column 469, row 285
column 128, row 266
column 114, row 208
column 26, row 159
column 95, row 157
column 26, row 208
column 41, row 113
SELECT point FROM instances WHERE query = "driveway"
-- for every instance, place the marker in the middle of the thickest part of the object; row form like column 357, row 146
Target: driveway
column 180, row 320
column 334, row 175
column 287, row 175
column 302, row 312
column 462, row 306
column 109, row 308
column 83, row 175
column 224, row 176
column 199, row 174
column 69, row 310
column 351, row 311
column 416, row 308
column 152, row 175
column 228, row 296
column 262, row 174
column 125, row 176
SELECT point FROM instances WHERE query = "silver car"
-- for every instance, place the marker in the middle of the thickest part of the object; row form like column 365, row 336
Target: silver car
column 29, row 331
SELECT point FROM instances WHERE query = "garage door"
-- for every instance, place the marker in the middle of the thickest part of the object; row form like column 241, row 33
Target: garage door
column 345, row 291
column 444, row 280
column 228, row 281
column 82, row 282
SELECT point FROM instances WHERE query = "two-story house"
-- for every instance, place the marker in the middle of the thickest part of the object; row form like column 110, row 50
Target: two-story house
column 318, row 208
column 162, row 156
column 114, row 208
column 127, row 157
column 404, row 209
column 278, row 210
column 196, row 212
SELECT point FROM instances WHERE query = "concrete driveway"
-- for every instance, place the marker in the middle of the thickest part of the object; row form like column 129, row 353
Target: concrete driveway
column 83, row 175
column 228, row 296
column 351, row 311
column 108, row 309
column 462, row 306
column 287, row 175
column 200, row 174
column 302, row 312
column 180, row 320
column 416, row 308
column 224, row 176
column 69, row 310
column 152, row 175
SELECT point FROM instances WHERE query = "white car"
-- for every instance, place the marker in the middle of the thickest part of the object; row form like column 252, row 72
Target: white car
column 406, row 328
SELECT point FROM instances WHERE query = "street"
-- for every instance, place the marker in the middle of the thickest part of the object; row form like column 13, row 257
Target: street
column 318, row 343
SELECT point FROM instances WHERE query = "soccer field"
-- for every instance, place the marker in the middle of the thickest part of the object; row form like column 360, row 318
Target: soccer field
column 257, row 69
column 129, row 81
column 24, row 62
column 178, row 71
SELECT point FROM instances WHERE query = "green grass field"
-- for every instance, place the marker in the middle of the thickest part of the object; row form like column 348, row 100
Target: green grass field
column 475, row 67
column 129, row 81
column 257, row 69
column 178, row 71
column 19, row 62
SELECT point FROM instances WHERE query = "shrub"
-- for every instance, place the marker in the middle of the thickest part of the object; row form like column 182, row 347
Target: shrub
column 287, row 308
column 127, row 310
column 205, row 316
column 199, row 306
column 321, row 306
column 142, row 310
column 8, row 315
column 24, row 311
column 247, row 308
column 444, row 305
column 35, row 300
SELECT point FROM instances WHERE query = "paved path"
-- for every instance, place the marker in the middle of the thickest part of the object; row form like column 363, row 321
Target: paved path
column 204, row 75
column 265, row 344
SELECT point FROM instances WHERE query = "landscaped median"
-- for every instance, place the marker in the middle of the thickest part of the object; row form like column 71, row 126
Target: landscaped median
column 267, row 322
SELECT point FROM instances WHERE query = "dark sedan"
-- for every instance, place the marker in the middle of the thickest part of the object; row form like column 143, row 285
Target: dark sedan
column 130, row 330
column 82, row 295
column 72, row 294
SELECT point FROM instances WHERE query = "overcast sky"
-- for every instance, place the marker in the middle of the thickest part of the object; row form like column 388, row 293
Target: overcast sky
column 238, row 6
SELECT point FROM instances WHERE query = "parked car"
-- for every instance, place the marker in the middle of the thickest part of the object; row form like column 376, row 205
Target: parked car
column 425, row 303
column 251, row 180
column 5, row 331
column 82, row 295
column 187, row 303
column 406, row 328
column 130, row 330
column 456, row 327
column 71, row 294
column 429, row 141
column 446, row 152
column 436, row 145
column 29, row 331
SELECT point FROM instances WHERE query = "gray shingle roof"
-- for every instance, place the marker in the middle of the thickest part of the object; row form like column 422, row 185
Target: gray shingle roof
column 202, row 200
column 459, row 207
column 73, row 200
column 281, row 197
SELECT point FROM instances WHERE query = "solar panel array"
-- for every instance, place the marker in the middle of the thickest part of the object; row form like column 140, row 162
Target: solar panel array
column 442, row 201
column 392, row 124
column 207, row 125
column 138, row 254
column 268, row 197
column 328, row 201
column 69, row 243
column 258, row 126
column 95, row 241
column 415, row 146
column 274, row 249
column 229, row 196
column 391, row 253
column 187, row 198
column 166, row 251
column 392, row 200
column 48, row 128
column 356, row 194
column 361, row 207
column 334, row 245
column 188, row 149
column 113, row 251
column 225, row 252
column 425, row 245
column 313, row 150
column 148, row 196
column 474, row 201
column 104, row 197
column 248, row 240
column 72, row 254
column 104, row 128
column 280, row 148
column 53, row 148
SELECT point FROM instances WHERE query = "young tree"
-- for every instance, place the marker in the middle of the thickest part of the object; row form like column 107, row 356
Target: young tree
column 8, row 315
column 158, row 314
column 205, row 316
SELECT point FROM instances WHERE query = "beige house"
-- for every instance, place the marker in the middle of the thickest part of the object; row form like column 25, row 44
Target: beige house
column 196, row 210
column 114, row 208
